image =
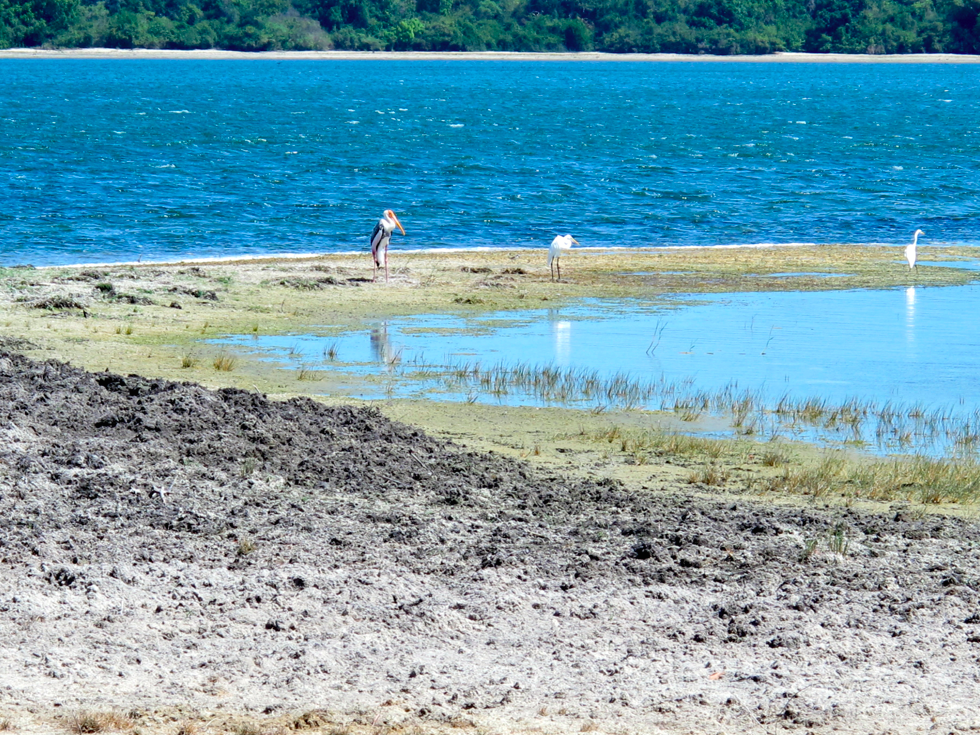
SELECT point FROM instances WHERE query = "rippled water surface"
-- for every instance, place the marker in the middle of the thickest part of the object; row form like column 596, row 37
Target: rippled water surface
column 108, row 160
column 915, row 350
column 912, row 346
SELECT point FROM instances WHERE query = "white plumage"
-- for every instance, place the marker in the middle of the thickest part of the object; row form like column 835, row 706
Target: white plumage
column 910, row 254
column 558, row 246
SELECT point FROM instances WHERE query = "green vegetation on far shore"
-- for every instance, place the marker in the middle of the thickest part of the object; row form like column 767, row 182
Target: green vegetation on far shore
column 617, row 26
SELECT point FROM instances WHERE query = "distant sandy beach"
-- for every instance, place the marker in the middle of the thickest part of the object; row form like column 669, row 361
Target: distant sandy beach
column 108, row 53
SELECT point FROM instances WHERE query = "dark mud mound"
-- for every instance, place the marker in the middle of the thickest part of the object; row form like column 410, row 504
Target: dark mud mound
column 164, row 543
column 175, row 456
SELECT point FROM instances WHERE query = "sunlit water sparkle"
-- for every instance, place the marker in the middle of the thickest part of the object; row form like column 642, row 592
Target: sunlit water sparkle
column 119, row 160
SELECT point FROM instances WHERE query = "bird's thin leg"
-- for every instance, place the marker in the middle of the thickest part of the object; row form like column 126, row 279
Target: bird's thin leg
column 552, row 272
column 558, row 263
column 386, row 265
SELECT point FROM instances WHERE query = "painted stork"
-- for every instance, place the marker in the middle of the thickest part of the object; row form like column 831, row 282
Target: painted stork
column 380, row 238
column 558, row 245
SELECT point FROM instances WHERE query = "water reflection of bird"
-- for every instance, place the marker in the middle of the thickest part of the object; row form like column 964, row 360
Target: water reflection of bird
column 559, row 245
column 562, row 332
column 380, row 238
column 910, row 249
column 910, row 315
column 381, row 347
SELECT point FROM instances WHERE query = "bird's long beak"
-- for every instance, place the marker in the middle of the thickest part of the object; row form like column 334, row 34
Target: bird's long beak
column 575, row 241
column 397, row 222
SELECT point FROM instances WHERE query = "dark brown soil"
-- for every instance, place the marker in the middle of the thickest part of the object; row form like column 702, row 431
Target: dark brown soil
column 162, row 544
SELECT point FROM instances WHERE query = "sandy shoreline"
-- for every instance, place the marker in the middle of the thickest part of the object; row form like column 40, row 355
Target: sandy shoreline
column 215, row 54
column 453, row 252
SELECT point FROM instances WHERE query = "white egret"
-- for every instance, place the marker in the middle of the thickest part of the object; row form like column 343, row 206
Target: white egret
column 558, row 245
column 910, row 249
column 380, row 238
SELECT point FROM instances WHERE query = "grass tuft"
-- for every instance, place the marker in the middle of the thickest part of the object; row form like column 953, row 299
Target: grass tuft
column 809, row 549
column 85, row 721
column 837, row 540
column 225, row 363
column 710, row 474
column 305, row 373
column 774, row 457
column 245, row 546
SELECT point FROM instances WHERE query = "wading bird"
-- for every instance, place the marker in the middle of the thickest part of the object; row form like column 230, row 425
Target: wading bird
column 910, row 249
column 380, row 238
column 559, row 244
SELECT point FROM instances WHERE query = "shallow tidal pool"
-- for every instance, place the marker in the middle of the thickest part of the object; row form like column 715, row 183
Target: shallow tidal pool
column 916, row 350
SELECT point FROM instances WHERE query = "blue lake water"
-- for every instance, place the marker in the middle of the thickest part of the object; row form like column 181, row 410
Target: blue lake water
column 110, row 160
column 904, row 347
column 117, row 160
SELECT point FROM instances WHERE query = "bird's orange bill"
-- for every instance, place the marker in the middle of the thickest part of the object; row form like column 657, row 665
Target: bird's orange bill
column 396, row 221
column 575, row 241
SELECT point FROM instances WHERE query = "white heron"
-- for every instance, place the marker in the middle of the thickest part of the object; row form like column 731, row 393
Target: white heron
column 559, row 245
column 910, row 249
column 380, row 237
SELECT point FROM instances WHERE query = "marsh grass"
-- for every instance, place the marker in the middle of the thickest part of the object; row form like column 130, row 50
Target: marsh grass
column 917, row 479
column 663, row 443
column 834, row 474
column 826, row 477
column 884, row 427
column 189, row 361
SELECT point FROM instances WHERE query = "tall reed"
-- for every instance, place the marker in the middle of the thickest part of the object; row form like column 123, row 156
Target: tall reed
column 886, row 427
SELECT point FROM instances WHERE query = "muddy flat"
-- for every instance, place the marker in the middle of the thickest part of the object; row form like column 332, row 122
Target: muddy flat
column 182, row 555
column 191, row 545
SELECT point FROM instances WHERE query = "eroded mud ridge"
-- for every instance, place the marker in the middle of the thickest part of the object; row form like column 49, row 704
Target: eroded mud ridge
column 162, row 544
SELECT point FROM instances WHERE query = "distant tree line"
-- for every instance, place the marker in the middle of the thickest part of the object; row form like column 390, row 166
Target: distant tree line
column 619, row 26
